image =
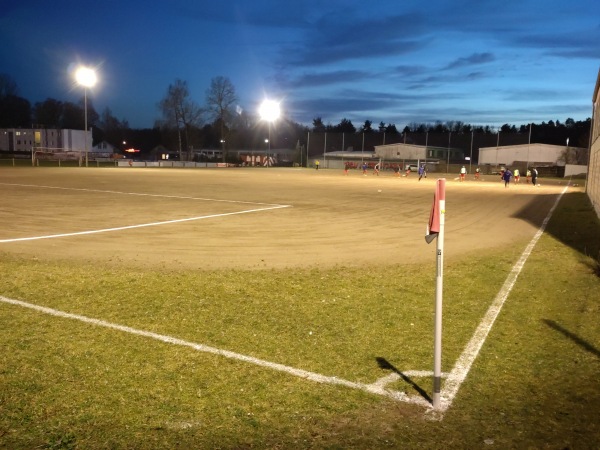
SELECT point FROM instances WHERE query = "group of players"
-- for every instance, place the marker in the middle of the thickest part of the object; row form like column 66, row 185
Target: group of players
column 506, row 175
column 422, row 170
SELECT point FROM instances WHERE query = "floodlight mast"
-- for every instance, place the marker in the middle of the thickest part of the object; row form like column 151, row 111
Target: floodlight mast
column 85, row 77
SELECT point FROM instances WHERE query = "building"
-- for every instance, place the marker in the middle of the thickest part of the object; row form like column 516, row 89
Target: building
column 593, row 175
column 529, row 155
column 417, row 153
column 55, row 140
column 104, row 149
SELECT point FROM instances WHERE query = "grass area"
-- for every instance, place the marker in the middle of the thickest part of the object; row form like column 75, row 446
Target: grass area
column 67, row 384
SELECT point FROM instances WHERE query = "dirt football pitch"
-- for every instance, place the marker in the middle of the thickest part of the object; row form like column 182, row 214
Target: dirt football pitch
column 255, row 217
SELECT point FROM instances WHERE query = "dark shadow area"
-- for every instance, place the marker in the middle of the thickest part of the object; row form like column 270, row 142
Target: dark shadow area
column 574, row 222
column 581, row 342
column 386, row 365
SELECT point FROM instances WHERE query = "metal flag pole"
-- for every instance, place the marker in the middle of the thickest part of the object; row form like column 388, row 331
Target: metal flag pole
column 436, row 229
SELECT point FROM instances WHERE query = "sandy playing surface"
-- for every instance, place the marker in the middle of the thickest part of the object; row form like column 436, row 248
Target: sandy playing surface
column 254, row 217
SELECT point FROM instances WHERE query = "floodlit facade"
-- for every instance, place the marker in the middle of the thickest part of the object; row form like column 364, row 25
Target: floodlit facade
column 593, row 176
column 532, row 154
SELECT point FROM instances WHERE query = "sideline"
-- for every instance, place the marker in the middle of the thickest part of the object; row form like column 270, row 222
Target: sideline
column 463, row 364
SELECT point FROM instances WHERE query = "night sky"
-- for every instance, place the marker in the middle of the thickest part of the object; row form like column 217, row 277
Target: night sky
column 399, row 62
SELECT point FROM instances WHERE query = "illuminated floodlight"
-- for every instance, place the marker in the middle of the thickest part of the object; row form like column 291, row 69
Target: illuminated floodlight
column 86, row 77
column 269, row 110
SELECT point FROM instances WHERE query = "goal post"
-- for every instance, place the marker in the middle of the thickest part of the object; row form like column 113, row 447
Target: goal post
column 54, row 154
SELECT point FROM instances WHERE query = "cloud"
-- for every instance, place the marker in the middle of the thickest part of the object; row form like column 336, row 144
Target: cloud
column 474, row 59
column 327, row 78
column 335, row 39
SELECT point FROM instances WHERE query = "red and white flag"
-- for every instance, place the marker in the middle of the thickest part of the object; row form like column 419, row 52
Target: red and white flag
column 438, row 208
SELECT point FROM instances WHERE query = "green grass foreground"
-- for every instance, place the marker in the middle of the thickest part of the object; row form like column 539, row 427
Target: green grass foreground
column 68, row 384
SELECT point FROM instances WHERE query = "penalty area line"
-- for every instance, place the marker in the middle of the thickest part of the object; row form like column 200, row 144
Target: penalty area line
column 142, row 225
column 374, row 388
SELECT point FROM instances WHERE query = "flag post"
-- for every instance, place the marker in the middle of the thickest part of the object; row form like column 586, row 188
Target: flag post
column 435, row 229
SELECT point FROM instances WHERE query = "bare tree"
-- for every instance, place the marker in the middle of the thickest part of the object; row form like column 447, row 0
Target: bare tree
column 220, row 102
column 180, row 112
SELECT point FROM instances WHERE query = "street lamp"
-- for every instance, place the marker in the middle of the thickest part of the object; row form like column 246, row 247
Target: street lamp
column 269, row 111
column 85, row 77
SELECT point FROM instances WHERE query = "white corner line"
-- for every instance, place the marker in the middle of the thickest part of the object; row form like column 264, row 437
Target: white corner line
column 129, row 227
column 305, row 374
column 463, row 364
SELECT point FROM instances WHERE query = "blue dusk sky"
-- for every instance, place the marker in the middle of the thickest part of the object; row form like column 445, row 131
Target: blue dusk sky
column 480, row 62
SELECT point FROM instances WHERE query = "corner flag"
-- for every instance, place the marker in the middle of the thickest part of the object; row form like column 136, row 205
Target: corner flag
column 435, row 229
column 437, row 210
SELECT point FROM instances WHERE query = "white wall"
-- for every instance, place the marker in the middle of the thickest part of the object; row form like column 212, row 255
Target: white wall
column 538, row 153
column 573, row 169
column 593, row 177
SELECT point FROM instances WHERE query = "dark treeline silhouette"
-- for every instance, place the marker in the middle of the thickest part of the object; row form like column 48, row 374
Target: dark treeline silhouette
column 240, row 131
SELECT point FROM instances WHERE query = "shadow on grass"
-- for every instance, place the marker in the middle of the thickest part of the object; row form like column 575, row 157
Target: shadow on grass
column 386, row 365
column 574, row 222
column 583, row 343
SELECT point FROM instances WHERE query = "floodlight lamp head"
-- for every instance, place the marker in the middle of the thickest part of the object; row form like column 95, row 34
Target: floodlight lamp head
column 269, row 110
column 86, row 77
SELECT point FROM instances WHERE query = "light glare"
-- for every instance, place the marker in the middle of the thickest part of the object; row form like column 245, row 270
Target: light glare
column 269, row 110
column 86, row 77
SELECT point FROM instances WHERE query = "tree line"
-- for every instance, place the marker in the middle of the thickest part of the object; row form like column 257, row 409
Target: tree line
column 219, row 123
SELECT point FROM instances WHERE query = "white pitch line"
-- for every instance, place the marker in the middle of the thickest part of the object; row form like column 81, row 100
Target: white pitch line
column 463, row 364
column 139, row 194
column 129, row 227
column 375, row 388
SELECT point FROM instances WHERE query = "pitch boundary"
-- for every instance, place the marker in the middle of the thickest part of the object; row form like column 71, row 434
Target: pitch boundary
column 378, row 387
column 463, row 364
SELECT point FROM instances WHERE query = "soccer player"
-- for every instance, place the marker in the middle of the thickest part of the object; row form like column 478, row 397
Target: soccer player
column 506, row 176
column 517, row 175
column 422, row 171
